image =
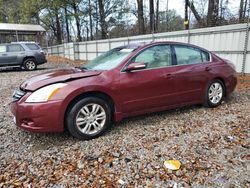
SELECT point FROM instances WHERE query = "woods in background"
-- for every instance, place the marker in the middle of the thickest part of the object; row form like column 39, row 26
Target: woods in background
column 81, row 20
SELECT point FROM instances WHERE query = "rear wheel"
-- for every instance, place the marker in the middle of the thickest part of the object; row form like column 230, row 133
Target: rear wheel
column 215, row 93
column 30, row 64
column 88, row 118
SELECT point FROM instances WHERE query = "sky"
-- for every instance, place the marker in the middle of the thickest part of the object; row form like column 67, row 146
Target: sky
column 179, row 5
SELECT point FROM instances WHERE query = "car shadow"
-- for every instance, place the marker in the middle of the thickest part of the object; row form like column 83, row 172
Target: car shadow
column 19, row 69
column 150, row 116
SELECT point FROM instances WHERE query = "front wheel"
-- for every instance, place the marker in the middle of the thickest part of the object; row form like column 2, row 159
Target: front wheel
column 214, row 93
column 88, row 118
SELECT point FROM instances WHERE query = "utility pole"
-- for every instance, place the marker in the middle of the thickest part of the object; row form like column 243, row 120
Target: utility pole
column 186, row 21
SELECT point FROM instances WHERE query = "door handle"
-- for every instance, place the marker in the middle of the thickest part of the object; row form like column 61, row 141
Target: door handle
column 208, row 68
column 168, row 76
column 4, row 54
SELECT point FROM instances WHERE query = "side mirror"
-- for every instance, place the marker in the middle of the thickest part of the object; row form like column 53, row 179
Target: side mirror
column 135, row 66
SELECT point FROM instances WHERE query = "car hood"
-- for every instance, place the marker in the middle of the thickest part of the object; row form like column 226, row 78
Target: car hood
column 50, row 77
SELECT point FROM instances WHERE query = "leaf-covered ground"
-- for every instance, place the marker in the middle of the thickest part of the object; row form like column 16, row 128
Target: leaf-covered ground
column 213, row 146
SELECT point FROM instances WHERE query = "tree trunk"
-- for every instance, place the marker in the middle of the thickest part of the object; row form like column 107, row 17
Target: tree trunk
column 58, row 29
column 212, row 13
column 97, row 20
column 78, row 26
column 241, row 18
column 90, row 21
column 140, row 16
column 151, row 16
column 103, row 23
column 157, row 16
column 186, row 21
column 221, row 11
column 194, row 11
column 245, row 10
column 87, row 30
column 67, row 24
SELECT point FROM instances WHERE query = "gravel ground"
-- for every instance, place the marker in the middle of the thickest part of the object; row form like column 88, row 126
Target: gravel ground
column 213, row 146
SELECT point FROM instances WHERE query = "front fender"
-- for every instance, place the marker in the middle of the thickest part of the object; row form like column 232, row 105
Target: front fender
column 72, row 91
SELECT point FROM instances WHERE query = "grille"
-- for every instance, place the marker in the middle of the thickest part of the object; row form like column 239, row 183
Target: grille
column 18, row 94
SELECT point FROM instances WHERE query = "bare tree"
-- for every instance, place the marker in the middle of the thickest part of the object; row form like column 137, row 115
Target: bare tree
column 195, row 12
column 96, row 19
column 90, row 20
column 140, row 16
column 77, row 19
column 103, row 23
column 213, row 13
column 242, row 10
column 151, row 16
column 245, row 9
column 67, row 23
column 58, row 27
column 223, row 11
column 157, row 15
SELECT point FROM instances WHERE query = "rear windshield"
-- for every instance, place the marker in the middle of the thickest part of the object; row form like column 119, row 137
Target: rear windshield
column 33, row 46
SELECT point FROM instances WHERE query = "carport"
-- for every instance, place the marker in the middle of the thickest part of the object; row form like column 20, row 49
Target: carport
column 22, row 32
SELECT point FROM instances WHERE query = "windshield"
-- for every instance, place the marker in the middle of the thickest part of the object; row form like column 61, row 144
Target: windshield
column 109, row 60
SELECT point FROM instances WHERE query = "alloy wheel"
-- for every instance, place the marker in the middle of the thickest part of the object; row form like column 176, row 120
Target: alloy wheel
column 215, row 93
column 30, row 65
column 91, row 118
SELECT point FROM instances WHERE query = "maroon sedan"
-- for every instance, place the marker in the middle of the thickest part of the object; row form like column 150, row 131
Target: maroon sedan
column 126, row 81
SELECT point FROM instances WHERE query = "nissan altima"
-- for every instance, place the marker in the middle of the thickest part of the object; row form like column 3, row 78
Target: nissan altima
column 125, row 81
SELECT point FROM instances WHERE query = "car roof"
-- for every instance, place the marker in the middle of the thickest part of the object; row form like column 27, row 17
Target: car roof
column 24, row 42
column 132, row 45
column 147, row 44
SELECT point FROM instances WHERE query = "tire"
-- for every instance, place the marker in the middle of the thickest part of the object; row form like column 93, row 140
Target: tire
column 215, row 93
column 84, row 125
column 30, row 64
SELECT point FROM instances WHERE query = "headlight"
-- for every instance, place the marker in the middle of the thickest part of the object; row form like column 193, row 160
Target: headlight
column 45, row 94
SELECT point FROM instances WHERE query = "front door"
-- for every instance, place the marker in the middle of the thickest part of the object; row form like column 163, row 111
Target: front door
column 151, row 88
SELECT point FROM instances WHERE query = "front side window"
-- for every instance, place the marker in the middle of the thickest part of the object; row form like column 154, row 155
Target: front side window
column 155, row 57
column 14, row 48
column 2, row 48
column 186, row 55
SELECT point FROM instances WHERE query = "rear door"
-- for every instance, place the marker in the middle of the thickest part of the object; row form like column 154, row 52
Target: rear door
column 152, row 88
column 14, row 51
column 192, row 73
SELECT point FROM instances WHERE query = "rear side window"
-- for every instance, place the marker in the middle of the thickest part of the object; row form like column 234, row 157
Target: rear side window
column 14, row 48
column 2, row 48
column 188, row 55
column 32, row 46
column 205, row 56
